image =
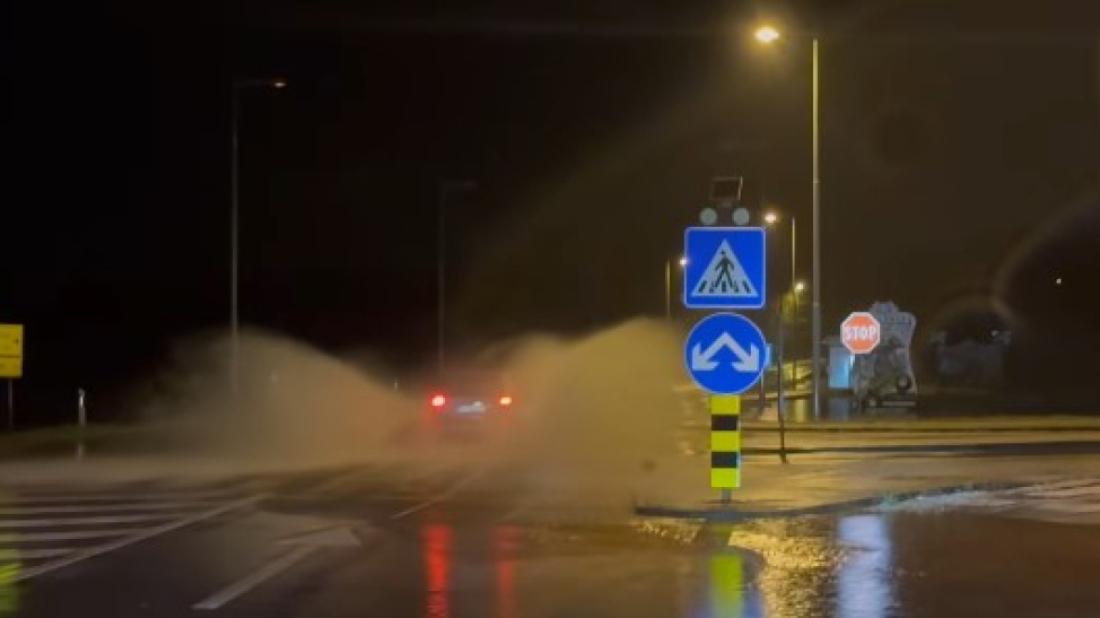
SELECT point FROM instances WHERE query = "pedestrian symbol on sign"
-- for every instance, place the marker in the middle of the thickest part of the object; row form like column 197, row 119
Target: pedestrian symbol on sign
column 725, row 276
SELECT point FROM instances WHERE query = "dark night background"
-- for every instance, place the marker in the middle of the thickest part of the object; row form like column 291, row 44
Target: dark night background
column 961, row 143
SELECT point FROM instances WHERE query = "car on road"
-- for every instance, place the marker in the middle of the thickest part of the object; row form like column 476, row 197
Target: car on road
column 470, row 403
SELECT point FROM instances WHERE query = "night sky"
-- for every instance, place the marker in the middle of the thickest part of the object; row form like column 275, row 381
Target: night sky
column 960, row 155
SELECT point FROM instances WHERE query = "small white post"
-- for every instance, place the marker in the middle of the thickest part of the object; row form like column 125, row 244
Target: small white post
column 81, row 422
column 81, row 411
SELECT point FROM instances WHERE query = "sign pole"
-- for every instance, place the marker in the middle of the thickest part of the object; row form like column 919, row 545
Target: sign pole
column 11, row 363
column 780, row 403
column 11, row 404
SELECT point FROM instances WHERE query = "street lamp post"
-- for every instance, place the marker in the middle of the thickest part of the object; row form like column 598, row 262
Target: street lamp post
column 446, row 187
column 768, row 35
column 815, row 315
column 668, row 285
column 772, row 218
column 234, row 225
column 796, row 309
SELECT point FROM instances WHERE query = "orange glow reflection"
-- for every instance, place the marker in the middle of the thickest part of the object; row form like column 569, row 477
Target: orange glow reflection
column 504, row 546
column 437, row 567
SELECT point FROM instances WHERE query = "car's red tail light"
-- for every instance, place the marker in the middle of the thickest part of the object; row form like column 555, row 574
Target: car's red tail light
column 505, row 401
column 439, row 401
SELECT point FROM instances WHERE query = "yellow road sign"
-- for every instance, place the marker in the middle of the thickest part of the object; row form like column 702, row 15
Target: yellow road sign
column 11, row 367
column 11, row 340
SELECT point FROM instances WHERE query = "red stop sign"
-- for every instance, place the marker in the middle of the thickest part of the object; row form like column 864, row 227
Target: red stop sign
column 860, row 332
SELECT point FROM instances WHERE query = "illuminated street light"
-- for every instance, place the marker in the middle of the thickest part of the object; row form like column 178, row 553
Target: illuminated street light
column 683, row 261
column 771, row 218
column 799, row 287
column 767, row 34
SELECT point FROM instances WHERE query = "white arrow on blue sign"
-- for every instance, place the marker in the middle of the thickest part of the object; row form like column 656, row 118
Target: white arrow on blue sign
column 725, row 268
column 726, row 354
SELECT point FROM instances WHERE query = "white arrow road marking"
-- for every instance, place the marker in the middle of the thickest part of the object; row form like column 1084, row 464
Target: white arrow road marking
column 747, row 362
column 303, row 546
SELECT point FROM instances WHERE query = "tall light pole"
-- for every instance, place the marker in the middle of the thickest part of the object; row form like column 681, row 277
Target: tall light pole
column 771, row 218
column 235, row 224
column 815, row 291
column 446, row 187
column 768, row 35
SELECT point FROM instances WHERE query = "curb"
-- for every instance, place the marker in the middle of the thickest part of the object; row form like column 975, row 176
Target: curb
column 729, row 514
column 758, row 426
column 1059, row 447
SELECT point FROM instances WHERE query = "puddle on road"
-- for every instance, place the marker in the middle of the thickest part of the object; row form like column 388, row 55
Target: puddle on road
column 640, row 535
column 915, row 565
column 816, row 566
column 870, row 565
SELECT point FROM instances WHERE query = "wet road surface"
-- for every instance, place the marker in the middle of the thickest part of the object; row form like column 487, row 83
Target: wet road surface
column 365, row 541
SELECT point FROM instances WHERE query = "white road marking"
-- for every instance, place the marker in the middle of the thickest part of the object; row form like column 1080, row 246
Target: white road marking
column 1070, row 507
column 76, row 498
column 989, row 502
column 85, row 521
column 305, row 544
column 106, row 508
column 1070, row 483
column 451, row 491
column 1075, row 492
column 18, row 555
column 259, row 576
column 34, row 537
column 138, row 536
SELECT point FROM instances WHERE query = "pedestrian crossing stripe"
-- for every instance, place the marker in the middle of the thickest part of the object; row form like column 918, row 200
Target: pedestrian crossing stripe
column 725, row 277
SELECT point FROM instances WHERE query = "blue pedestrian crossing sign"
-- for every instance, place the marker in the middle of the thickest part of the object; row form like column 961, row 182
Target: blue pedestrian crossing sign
column 726, row 354
column 725, row 269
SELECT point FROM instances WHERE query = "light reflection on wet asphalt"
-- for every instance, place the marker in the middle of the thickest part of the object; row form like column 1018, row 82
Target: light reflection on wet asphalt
column 855, row 566
column 918, row 565
column 463, row 558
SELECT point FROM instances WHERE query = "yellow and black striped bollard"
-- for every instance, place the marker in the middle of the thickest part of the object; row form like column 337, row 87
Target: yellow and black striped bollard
column 725, row 443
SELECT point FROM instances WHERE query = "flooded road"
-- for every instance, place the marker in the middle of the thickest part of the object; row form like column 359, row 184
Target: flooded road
column 487, row 550
column 920, row 564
